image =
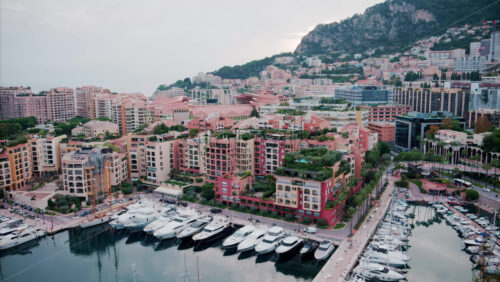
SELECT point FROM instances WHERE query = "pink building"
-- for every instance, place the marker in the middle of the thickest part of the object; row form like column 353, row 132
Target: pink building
column 7, row 101
column 84, row 97
column 220, row 157
column 270, row 151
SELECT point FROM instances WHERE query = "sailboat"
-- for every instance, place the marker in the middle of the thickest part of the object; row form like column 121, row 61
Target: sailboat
column 94, row 221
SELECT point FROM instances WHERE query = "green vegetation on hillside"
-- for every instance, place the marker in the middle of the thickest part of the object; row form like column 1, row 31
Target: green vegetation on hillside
column 247, row 70
column 392, row 26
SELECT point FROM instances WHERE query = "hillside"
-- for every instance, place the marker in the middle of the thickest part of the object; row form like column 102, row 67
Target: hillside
column 393, row 25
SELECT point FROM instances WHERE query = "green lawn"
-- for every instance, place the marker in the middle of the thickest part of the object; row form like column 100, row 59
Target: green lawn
column 339, row 226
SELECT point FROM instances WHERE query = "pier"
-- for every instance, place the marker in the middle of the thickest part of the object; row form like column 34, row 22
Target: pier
column 346, row 256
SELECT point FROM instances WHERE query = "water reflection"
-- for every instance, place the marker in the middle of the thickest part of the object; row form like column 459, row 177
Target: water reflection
column 102, row 254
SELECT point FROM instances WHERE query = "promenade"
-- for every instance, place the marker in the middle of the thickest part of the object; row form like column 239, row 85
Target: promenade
column 346, row 256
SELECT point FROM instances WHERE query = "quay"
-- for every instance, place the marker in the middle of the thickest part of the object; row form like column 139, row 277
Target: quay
column 346, row 256
column 451, row 208
column 47, row 224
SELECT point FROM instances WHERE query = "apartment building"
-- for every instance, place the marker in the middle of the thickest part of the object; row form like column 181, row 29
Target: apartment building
column 385, row 131
column 269, row 152
column 220, row 157
column 136, row 153
column 385, row 113
column 159, row 161
column 245, row 160
column 92, row 171
column 339, row 119
column 128, row 111
column 85, row 97
column 427, row 100
column 7, row 101
column 192, row 155
column 230, row 187
column 17, row 169
column 46, row 153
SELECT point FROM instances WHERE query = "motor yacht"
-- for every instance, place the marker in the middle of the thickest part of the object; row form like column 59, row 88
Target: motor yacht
column 477, row 241
column 21, row 237
column 176, row 225
column 289, row 245
column 158, row 223
column 13, row 228
column 238, row 236
column 271, row 240
column 137, row 222
column 377, row 271
column 324, row 250
column 219, row 227
column 377, row 257
column 195, row 227
column 309, row 247
column 251, row 240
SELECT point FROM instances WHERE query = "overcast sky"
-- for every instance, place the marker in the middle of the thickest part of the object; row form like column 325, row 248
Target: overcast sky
column 133, row 46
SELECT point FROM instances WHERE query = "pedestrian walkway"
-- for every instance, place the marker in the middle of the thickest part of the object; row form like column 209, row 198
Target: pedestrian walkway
column 344, row 259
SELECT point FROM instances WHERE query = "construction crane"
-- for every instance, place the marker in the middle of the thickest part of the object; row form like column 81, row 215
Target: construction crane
column 493, row 30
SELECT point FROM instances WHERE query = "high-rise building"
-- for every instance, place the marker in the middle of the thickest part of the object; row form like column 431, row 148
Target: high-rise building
column 365, row 94
column 427, row 100
column 85, row 97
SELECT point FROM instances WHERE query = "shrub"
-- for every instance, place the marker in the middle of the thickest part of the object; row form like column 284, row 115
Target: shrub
column 322, row 223
column 289, row 217
column 64, row 209
column 306, row 220
column 234, row 205
column 254, row 209
column 401, row 183
column 264, row 212
column 199, row 180
column 471, row 194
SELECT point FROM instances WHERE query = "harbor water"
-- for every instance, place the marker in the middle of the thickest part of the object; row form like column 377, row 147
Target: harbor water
column 102, row 254
column 436, row 250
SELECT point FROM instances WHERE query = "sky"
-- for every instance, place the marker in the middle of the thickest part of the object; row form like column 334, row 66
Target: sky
column 134, row 46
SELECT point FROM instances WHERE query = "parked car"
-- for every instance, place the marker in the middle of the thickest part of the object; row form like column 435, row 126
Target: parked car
column 215, row 210
column 486, row 189
column 310, row 230
column 170, row 201
column 31, row 216
column 184, row 204
column 84, row 213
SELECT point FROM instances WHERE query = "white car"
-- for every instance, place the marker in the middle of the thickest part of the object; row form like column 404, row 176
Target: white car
column 486, row 189
column 310, row 230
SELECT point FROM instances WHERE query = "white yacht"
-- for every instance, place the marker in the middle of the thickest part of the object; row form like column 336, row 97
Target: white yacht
column 12, row 228
column 216, row 229
column 377, row 257
column 158, row 223
column 21, row 237
column 377, row 271
column 474, row 242
column 238, row 236
column 195, row 227
column 289, row 245
column 141, row 219
column 251, row 240
column 324, row 250
column 309, row 247
column 271, row 240
column 176, row 225
column 95, row 221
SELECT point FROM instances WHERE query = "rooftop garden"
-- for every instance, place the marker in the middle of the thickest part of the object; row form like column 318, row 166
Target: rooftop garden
column 309, row 164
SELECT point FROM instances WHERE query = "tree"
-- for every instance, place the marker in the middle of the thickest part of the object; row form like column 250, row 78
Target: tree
column 254, row 112
column 482, row 124
column 471, row 194
column 193, row 132
column 431, row 132
column 449, row 123
column 491, row 143
column 487, row 168
column 160, row 129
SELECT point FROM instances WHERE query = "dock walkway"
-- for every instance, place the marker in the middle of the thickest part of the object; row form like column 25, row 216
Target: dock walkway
column 346, row 256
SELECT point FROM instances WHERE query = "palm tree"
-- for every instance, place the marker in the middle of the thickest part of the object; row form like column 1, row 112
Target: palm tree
column 487, row 168
column 496, row 164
